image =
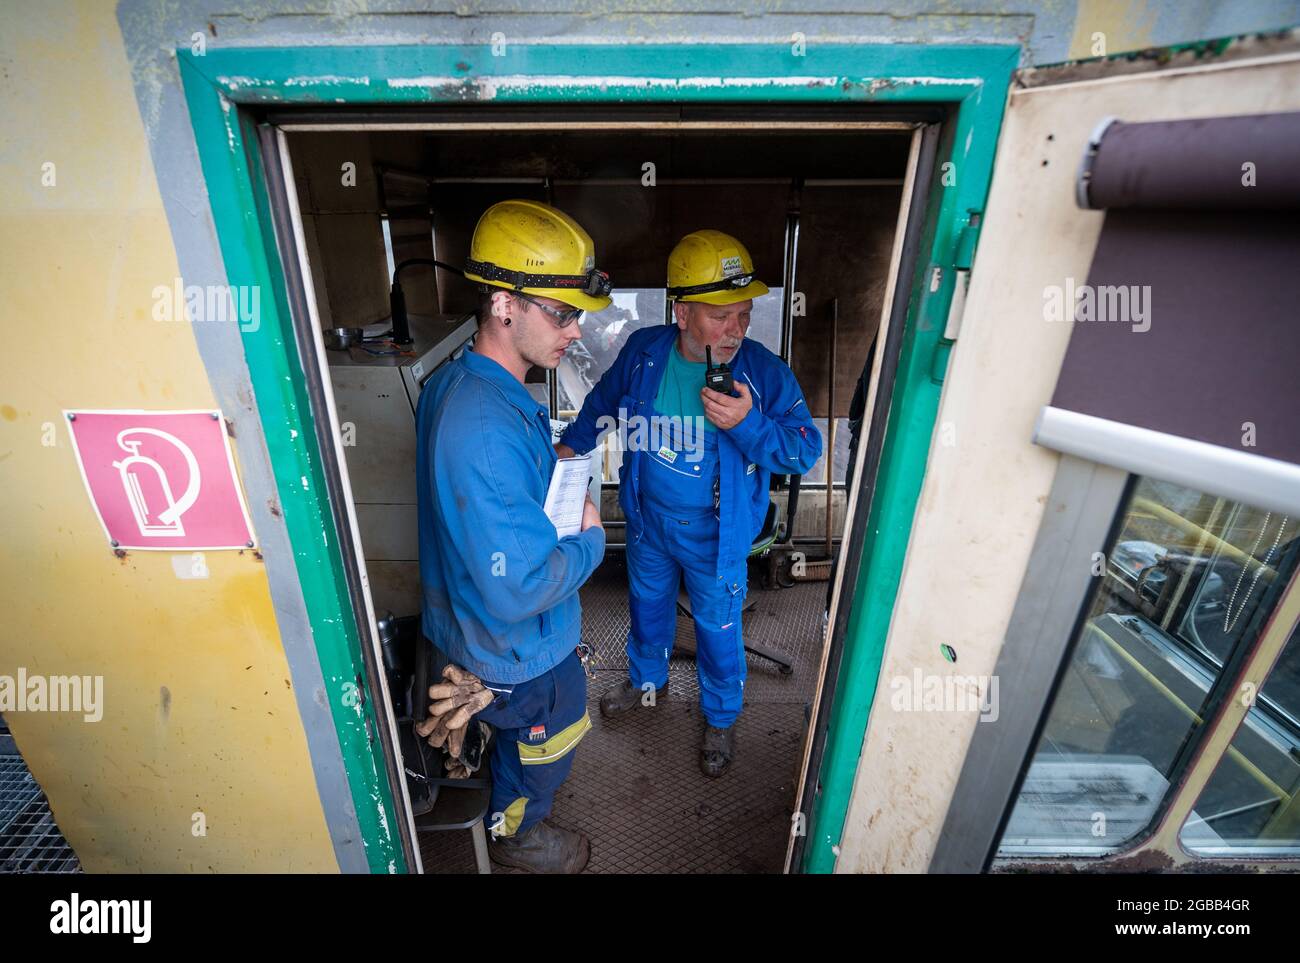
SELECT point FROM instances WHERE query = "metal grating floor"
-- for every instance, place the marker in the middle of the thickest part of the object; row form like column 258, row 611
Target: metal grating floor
column 636, row 788
column 787, row 620
column 30, row 842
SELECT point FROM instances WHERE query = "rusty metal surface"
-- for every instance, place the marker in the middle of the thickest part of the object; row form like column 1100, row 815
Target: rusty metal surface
column 636, row 788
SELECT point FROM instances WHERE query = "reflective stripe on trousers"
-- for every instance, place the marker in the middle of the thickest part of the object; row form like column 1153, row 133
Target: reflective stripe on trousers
column 538, row 724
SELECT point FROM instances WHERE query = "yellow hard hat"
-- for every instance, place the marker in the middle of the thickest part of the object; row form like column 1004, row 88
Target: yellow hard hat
column 532, row 247
column 712, row 267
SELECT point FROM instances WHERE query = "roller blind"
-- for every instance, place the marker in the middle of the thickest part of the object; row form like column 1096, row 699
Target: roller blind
column 1184, row 359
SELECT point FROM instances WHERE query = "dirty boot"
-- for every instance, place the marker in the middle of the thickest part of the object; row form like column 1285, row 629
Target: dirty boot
column 624, row 697
column 716, row 752
column 542, row 848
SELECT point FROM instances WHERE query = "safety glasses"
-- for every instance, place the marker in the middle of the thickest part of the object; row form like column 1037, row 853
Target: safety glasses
column 559, row 318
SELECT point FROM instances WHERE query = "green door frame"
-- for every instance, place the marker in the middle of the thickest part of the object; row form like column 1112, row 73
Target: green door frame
column 971, row 80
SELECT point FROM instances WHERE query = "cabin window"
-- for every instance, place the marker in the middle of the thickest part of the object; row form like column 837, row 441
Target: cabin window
column 1250, row 805
column 605, row 332
column 388, row 244
column 1188, row 585
column 817, row 474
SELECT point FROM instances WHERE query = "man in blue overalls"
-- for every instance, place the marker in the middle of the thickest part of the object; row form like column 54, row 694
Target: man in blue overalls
column 694, row 482
column 500, row 587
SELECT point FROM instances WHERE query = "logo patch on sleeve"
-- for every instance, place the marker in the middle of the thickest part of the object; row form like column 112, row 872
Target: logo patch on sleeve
column 537, row 734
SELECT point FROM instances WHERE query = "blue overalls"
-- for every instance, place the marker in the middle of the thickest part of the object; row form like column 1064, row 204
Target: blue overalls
column 500, row 587
column 679, row 491
column 677, row 529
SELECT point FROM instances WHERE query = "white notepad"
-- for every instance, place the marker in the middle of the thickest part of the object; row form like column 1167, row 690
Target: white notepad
column 567, row 494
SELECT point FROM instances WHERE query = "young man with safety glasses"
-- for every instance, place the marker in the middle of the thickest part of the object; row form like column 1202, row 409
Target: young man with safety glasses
column 500, row 587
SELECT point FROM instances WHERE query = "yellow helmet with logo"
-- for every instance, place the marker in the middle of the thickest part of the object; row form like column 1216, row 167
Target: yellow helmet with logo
column 532, row 247
column 713, row 268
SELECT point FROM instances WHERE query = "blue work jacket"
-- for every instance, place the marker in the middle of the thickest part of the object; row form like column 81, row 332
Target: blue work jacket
column 777, row 435
column 500, row 587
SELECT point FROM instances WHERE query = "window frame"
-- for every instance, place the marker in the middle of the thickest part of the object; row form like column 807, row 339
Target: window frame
column 1086, row 513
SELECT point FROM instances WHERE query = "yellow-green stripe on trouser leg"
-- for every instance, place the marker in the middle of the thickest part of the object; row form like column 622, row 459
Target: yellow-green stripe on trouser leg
column 539, row 724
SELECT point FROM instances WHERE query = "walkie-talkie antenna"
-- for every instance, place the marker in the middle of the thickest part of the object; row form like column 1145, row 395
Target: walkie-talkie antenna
column 708, row 355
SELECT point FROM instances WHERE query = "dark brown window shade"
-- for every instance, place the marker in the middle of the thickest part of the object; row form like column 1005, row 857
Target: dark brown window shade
column 1196, row 164
column 1186, row 336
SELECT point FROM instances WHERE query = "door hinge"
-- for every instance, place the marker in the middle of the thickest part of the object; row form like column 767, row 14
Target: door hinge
column 963, row 255
column 967, row 237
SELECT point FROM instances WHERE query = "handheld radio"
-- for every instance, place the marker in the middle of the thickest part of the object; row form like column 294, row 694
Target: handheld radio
column 717, row 378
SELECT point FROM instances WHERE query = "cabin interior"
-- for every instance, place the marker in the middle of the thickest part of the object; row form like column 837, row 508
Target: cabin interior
column 818, row 208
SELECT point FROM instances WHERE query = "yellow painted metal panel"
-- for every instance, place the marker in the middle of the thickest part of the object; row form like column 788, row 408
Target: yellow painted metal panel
column 198, row 712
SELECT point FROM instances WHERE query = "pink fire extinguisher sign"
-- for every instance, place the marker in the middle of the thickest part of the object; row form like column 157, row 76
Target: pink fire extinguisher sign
column 161, row 480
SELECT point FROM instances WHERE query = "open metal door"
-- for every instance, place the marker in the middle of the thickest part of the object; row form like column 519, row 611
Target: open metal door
column 934, row 789
column 898, row 297
column 292, row 246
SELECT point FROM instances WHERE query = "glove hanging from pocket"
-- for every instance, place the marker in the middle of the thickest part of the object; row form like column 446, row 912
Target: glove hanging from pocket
column 453, row 703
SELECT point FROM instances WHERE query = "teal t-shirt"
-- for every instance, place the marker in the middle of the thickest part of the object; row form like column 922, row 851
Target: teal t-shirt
column 679, row 389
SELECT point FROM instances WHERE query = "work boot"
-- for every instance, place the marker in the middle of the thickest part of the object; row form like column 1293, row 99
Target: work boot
column 716, row 752
column 624, row 697
column 542, row 848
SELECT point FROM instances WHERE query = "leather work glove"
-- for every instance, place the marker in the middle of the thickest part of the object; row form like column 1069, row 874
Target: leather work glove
column 453, row 703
